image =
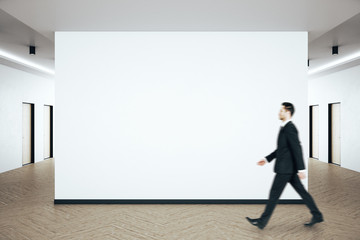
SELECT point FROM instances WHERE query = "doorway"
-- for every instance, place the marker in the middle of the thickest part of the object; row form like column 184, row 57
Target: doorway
column 314, row 131
column 48, row 131
column 27, row 133
column 334, row 133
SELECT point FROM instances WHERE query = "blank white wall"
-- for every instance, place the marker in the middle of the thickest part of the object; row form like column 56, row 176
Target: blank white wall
column 174, row 115
column 17, row 87
column 344, row 87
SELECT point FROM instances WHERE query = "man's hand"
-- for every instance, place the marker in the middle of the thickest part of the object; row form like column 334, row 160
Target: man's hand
column 302, row 175
column 261, row 162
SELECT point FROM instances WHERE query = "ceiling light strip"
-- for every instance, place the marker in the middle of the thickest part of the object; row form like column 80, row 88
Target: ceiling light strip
column 335, row 63
column 24, row 62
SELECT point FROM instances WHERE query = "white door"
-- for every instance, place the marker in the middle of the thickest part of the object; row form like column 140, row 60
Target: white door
column 26, row 133
column 315, row 132
column 335, row 134
column 47, row 130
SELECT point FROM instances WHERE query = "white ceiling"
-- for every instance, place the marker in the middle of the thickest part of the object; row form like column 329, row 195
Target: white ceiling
column 15, row 38
column 346, row 36
column 41, row 18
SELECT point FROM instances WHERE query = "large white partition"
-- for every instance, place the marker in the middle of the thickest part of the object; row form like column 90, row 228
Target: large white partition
column 174, row 115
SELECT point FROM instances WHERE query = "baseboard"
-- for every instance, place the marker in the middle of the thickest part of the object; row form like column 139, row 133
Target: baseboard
column 173, row 201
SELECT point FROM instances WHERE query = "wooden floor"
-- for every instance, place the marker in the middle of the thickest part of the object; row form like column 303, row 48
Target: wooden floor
column 27, row 212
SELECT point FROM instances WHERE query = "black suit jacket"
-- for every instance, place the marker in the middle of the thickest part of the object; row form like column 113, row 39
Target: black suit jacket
column 289, row 156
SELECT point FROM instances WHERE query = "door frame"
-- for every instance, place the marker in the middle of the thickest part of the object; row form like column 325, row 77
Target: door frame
column 32, row 132
column 51, row 130
column 330, row 132
column 311, row 130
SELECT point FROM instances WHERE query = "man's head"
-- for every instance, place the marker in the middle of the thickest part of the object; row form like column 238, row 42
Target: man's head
column 286, row 111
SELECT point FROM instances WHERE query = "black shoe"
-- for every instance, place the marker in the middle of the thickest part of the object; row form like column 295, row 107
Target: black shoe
column 314, row 221
column 256, row 222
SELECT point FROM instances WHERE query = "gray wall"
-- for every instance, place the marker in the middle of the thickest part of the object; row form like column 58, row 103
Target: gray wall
column 17, row 87
column 344, row 87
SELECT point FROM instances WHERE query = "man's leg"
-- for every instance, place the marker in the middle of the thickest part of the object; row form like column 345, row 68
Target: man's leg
column 308, row 200
column 277, row 188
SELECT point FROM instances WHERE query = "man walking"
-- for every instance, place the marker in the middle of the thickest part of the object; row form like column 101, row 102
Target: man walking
column 289, row 160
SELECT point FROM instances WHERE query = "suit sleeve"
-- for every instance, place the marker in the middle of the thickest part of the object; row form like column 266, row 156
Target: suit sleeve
column 271, row 156
column 295, row 147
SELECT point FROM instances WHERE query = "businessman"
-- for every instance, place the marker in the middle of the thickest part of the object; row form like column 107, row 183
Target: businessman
column 289, row 161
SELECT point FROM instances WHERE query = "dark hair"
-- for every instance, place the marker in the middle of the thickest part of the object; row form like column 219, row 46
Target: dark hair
column 289, row 106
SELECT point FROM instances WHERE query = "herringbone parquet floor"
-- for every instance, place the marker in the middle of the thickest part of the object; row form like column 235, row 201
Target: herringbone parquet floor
column 27, row 212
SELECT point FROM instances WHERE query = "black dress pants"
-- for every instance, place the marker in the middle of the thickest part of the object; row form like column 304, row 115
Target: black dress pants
column 277, row 188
